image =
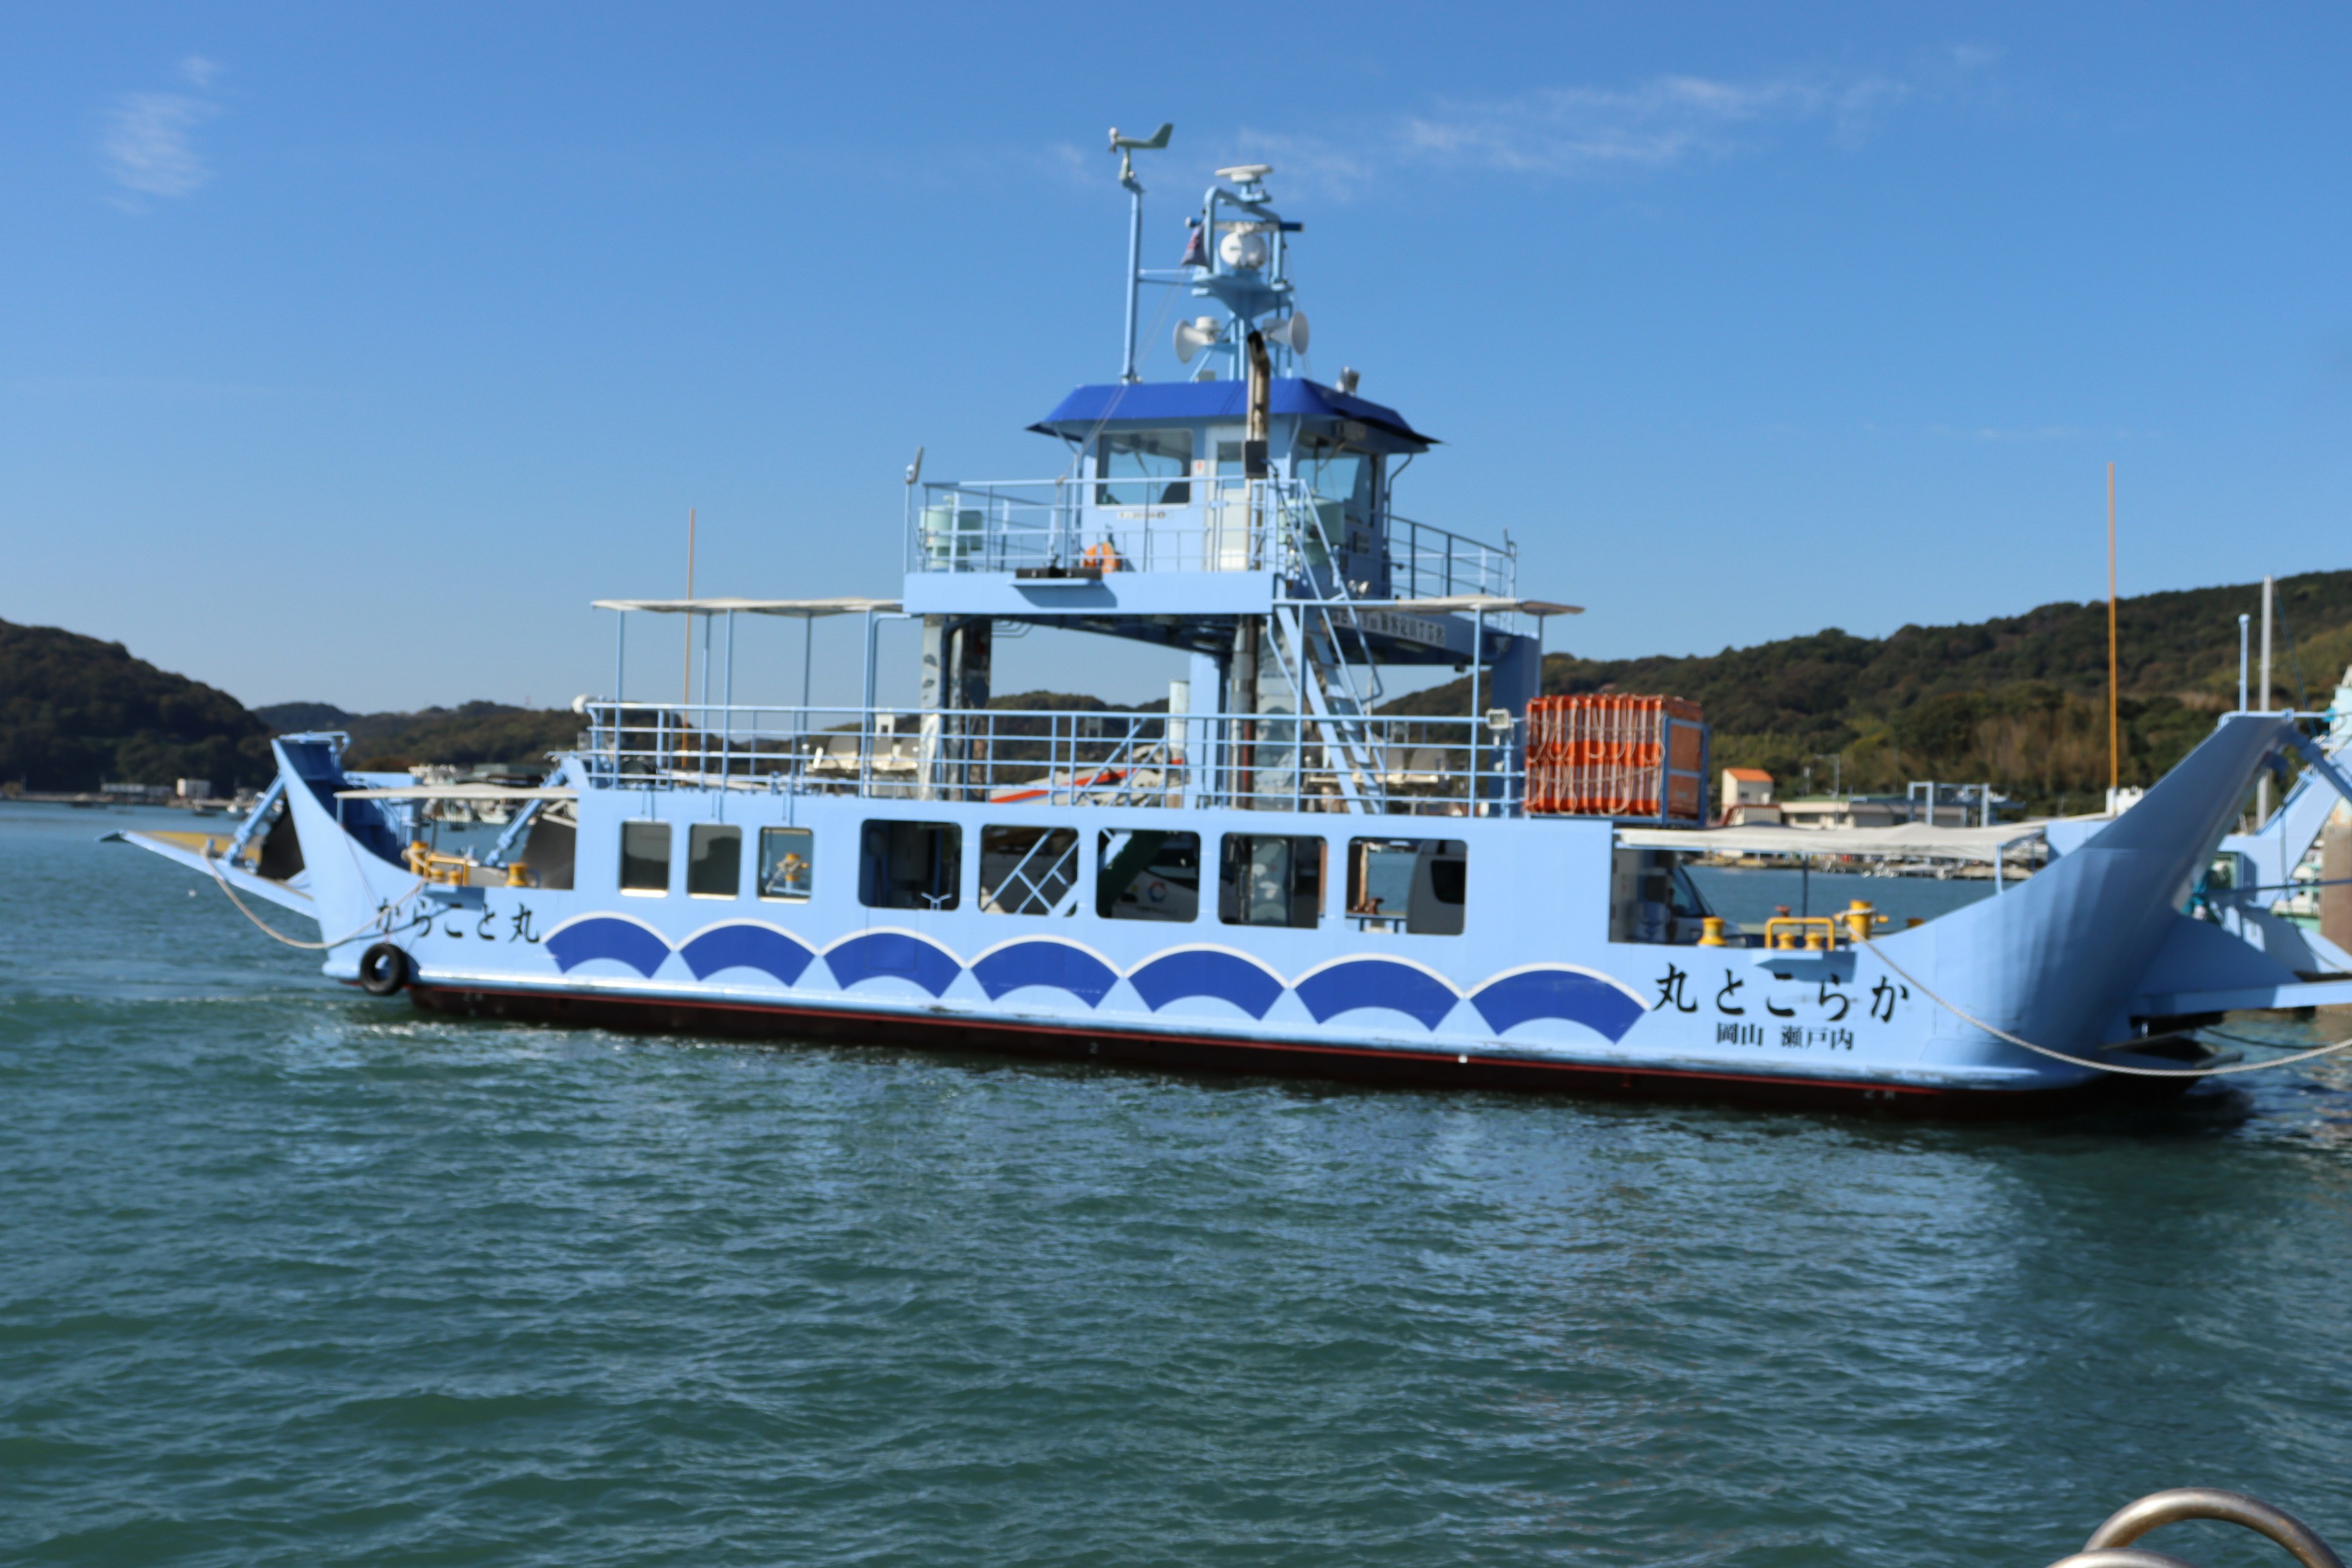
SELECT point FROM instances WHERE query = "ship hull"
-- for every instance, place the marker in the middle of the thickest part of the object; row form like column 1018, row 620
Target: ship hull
column 1330, row 1061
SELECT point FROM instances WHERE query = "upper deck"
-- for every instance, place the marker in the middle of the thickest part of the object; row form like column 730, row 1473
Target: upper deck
column 1081, row 528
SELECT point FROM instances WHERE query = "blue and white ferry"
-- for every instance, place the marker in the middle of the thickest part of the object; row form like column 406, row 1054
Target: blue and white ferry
column 1264, row 873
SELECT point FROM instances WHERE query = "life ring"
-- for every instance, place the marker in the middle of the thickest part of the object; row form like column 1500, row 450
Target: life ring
column 384, row 970
column 1101, row 556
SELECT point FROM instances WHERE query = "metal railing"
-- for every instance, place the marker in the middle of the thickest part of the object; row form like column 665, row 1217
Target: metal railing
column 1433, row 767
column 1201, row 523
column 1428, row 562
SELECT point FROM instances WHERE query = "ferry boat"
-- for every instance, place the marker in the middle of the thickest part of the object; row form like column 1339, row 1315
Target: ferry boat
column 1265, row 872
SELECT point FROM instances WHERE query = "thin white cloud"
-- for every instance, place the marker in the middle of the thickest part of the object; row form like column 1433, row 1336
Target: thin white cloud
column 148, row 143
column 1584, row 131
column 1581, row 131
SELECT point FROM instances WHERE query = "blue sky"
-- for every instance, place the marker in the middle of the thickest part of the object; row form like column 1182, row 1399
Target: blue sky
column 345, row 353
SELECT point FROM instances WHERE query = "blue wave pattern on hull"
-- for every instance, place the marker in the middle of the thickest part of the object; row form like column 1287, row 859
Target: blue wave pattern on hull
column 1041, row 960
column 1571, row 996
column 1206, row 972
column 893, row 955
column 1377, row 983
column 608, row 936
column 763, row 948
column 1571, row 993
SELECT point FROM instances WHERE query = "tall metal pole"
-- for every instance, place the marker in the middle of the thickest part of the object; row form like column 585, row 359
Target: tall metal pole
column 2115, row 695
column 1134, row 269
column 686, row 680
column 2263, row 703
column 2243, row 620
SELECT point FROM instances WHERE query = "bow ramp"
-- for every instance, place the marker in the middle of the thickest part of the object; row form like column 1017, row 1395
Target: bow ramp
column 2097, row 947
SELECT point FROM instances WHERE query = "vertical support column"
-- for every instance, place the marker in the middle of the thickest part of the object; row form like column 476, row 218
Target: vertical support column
column 957, row 655
column 1199, row 742
column 1516, row 680
column 973, row 651
column 931, row 697
column 1241, row 697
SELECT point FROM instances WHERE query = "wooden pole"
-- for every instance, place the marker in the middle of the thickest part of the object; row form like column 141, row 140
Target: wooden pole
column 2115, row 723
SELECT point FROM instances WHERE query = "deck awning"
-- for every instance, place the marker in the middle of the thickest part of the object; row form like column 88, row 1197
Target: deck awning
column 1474, row 603
column 1904, row 841
column 850, row 606
column 458, row 792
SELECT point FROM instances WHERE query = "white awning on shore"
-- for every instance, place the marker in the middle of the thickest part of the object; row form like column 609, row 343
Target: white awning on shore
column 458, row 792
column 1904, row 841
column 848, row 605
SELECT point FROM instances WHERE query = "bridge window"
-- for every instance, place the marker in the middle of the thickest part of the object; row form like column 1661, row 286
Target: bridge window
column 1336, row 473
column 787, row 863
column 1414, row 885
column 910, row 865
column 1144, row 468
column 1270, row 879
column 1148, row 875
column 1028, row 870
column 714, row 861
column 644, row 858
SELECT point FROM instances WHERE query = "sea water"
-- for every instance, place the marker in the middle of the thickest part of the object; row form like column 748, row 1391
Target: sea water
column 292, row 1276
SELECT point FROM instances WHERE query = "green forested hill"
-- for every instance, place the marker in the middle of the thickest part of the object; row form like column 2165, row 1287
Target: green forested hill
column 76, row 712
column 2021, row 700
column 468, row 733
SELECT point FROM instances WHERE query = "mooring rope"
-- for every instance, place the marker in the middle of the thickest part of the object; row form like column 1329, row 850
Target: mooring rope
column 2084, row 1062
column 214, row 867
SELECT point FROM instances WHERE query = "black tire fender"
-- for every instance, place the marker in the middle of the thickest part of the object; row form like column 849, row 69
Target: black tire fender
column 384, row 970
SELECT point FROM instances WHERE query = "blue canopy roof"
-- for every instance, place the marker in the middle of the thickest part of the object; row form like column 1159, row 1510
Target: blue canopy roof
column 1162, row 400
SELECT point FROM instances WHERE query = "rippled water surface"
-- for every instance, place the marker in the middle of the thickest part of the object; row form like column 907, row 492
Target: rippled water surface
column 290, row 1275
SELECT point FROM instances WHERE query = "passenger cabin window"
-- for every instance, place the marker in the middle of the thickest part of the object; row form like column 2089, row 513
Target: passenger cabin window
column 644, row 858
column 1412, row 885
column 1029, row 871
column 910, row 865
column 787, row 863
column 1653, row 899
column 714, row 861
column 1269, row 879
column 1148, row 875
column 1144, row 468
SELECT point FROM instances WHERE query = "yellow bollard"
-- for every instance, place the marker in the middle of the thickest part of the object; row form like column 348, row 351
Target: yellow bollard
column 1857, row 920
column 1816, row 940
column 518, row 875
column 1711, row 931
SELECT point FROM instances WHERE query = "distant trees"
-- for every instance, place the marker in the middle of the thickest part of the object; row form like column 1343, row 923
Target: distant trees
column 2020, row 701
column 76, row 712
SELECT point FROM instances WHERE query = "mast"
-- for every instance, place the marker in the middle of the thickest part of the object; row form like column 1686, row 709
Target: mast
column 2115, row 728
column 1127, row 147
column 2263, row 704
